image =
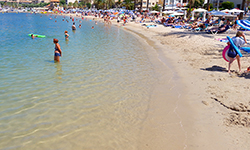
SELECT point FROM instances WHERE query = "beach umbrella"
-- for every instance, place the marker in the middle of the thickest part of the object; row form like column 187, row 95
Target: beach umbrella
column 168, row 12
column 177, row 14
column 218, row 13
column 244, row 24
column 225, row 10
column 200, row 10
column 180, row 11
column 236, row 10
column 152, row 12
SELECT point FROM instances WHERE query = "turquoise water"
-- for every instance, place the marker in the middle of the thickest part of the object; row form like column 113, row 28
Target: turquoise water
column 96, row 98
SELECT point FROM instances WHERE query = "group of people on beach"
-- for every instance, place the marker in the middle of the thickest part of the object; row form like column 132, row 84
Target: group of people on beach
column 238, row 40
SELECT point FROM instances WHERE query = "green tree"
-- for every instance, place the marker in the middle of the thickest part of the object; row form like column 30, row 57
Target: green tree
column 98, row 3
column 62, row 2
column 75, row 4
column 110, row 3
column 227, row 5
column 65, row 6
column 70, row 4
column 118, row 3
column 210, row 6
column 128, row 4
column 156, row 7
column 190, row 4
column 88, row 5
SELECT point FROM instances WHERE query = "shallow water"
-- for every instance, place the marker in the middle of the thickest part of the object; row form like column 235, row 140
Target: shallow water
column 96, row 98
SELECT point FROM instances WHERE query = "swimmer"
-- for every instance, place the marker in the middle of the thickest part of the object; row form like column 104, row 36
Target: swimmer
column 33, row 36
column 66, row 34
column 92, row 27
column 58, row 51
column 95, row 22
column 80, row 25
column 73, row 26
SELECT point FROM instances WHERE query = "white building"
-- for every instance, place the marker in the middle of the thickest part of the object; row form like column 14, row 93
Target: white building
column 151, row 4
column 72, row 1
column 177, row 3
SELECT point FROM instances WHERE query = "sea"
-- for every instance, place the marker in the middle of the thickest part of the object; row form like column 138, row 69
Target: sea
column 97, row 97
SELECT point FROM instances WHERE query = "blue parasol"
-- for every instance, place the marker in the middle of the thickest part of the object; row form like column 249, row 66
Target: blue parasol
column 244, row 24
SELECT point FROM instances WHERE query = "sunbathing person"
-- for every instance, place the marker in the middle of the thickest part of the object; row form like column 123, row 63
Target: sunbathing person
column 220, row 29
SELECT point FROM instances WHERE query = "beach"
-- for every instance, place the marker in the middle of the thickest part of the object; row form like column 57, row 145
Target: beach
column 217, row 113
column 194, row 103
column 218, row 101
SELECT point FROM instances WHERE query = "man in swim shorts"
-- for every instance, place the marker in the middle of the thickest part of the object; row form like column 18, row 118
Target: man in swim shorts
column 238, row 42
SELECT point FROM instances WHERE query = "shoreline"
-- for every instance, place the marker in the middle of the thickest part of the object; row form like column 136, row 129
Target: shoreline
column 167, row 107
column 195, row 104
column 212, row 94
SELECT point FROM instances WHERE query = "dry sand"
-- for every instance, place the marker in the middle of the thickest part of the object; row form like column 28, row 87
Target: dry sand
column 220, row 102
column 214, row 111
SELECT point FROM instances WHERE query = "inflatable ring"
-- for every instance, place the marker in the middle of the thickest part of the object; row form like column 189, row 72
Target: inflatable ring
column 224, row 53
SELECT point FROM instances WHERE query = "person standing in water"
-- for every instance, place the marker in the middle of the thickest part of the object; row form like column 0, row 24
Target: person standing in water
column 73, row 26
column 66, row 35
column 58, row 51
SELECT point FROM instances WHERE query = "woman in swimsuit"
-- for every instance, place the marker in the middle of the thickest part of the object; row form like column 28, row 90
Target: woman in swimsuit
column 58, row 51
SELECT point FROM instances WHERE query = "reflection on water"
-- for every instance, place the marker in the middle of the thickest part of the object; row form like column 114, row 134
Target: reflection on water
column 95, row 98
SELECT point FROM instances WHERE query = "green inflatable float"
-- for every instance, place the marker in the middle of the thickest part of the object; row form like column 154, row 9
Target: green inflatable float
column 36, row 35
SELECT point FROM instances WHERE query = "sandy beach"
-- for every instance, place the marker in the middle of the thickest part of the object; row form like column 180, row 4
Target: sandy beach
column 213, row 112
column 196, row 104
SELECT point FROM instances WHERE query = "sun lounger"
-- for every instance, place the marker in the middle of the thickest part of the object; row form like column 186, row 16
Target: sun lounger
column 218, row 31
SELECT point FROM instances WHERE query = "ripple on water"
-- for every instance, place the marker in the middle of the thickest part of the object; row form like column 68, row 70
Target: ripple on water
column 96, row 98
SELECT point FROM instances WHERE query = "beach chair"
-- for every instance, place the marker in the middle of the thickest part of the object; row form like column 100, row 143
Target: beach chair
column 218, row 31
column 201, row 29
column 177, row 26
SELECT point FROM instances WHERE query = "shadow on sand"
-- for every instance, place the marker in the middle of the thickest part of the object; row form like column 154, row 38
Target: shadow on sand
column 222, row 69
column 215, row 68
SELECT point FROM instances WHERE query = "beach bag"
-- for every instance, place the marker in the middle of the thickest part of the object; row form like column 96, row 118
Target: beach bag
column 231, row 52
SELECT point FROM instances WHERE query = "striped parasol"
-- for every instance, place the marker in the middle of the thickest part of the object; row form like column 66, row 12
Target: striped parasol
column 244, row 24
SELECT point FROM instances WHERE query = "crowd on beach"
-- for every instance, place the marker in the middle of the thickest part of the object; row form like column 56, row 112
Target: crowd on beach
column 212, row 25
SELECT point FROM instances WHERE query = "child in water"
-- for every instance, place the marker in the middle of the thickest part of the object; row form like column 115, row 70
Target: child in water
column 66, row 34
